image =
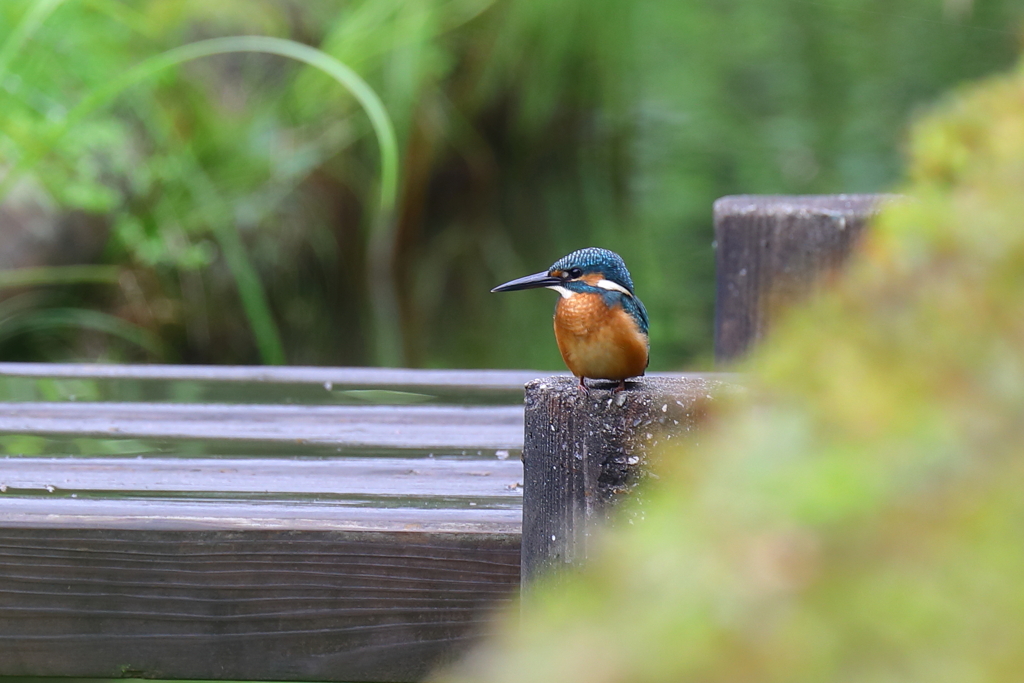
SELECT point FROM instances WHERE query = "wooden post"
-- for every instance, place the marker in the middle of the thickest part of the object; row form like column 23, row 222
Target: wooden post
column 584, row 452
column 774, row 250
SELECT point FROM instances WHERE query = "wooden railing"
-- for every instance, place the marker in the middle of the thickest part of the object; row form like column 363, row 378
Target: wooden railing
column 336, row 524
column 357, row 541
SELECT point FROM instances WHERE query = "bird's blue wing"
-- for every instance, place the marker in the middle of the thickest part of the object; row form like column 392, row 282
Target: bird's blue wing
column 640, row 314
column 631, row 304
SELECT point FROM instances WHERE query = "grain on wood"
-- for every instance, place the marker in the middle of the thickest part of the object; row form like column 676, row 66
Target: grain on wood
column 772, row 251
column 258, row 384
column 379, row 478
column 335, row 567
column 219, row 514
column 246, row 605
column 391, row 378
column 208, row 384
column 422, row 427
column 585, row 452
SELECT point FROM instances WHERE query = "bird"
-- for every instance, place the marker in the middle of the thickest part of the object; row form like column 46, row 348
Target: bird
column 601, row 326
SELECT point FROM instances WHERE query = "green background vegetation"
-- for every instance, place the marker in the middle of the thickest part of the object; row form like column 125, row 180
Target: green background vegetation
column 229, row 211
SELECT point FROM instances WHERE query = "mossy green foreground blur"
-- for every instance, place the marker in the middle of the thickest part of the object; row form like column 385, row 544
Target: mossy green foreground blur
column 859, row 515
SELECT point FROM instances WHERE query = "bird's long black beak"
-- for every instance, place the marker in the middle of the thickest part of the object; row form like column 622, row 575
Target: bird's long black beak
column 529, row 282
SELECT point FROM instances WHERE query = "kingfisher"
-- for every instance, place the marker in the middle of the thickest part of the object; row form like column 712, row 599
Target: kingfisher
column 600, row 324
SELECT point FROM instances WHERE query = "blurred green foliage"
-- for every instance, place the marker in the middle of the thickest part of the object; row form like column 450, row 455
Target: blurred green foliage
column 858, row 516
column 240, row 192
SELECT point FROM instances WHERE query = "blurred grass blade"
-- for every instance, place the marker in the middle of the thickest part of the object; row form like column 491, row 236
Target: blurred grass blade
column 77, row 318
column 253, row 296
column 254, row 300
column 349, row 79
column 57, row 275
column 33, row 18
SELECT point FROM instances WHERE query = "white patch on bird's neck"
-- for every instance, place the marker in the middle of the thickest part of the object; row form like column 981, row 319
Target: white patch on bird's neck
column 566, row 293
column 613, row 286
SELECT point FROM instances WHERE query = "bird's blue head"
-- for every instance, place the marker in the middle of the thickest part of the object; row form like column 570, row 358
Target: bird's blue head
column 594, row 261
column 582, row 269
column 590, row 271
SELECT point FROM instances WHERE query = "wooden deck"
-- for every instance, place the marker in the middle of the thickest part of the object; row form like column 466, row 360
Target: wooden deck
column 316, row 541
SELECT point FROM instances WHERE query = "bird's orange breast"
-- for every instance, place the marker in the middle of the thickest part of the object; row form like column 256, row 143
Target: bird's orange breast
column 598, row 341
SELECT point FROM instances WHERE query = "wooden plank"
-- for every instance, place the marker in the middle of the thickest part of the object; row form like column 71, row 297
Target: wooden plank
column 379, row 478
column 258, row 384
column 245, row 605
column 219, row 515
column 772, row 251
column 423, row 427
column 585, row 452
column 390, row 378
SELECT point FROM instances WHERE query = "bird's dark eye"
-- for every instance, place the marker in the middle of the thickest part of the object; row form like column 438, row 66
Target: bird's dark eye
column 575, row 273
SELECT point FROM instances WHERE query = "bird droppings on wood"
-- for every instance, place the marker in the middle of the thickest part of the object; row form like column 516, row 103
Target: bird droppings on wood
column 585, row 452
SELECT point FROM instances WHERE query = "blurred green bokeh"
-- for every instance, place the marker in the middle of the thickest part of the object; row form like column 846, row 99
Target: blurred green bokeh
column 238, row 196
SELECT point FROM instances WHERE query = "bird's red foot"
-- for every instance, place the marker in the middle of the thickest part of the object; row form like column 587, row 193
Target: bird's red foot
column 621, row 386
column 583, row 386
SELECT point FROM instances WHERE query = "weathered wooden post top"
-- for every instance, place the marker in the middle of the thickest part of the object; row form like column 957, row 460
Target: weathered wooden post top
column 772, row 251
column 585, row 452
